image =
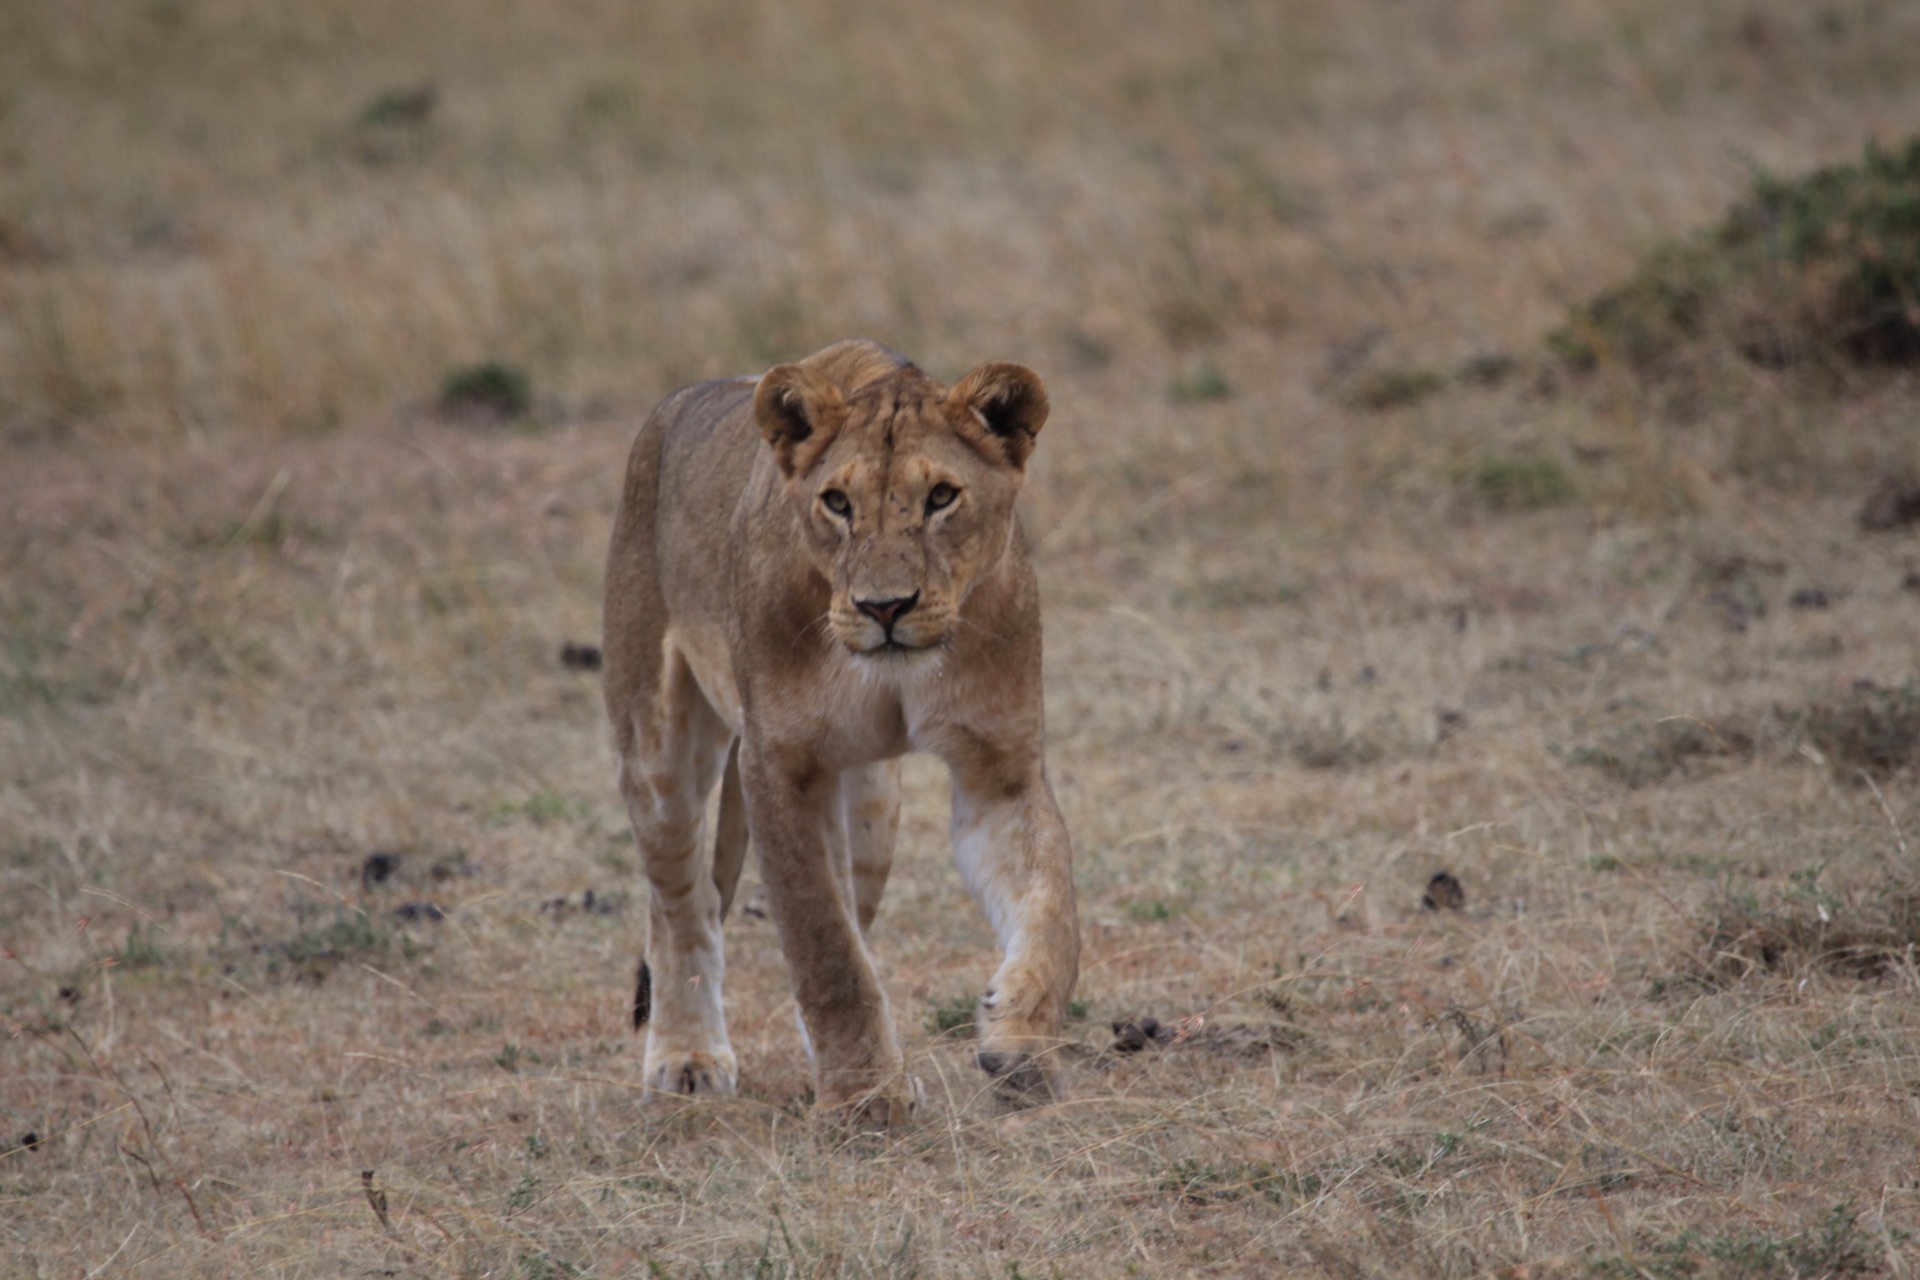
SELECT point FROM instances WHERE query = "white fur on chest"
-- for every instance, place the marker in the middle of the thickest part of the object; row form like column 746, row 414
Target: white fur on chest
column 882, row 705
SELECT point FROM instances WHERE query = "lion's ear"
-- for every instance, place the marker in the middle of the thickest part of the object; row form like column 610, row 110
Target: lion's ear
column 799, row 412
column 1010, row 400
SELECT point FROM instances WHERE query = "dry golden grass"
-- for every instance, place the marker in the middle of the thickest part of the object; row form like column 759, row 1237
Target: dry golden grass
column 263, row 614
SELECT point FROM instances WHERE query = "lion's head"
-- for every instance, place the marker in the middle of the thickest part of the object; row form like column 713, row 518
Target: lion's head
column 905, row 489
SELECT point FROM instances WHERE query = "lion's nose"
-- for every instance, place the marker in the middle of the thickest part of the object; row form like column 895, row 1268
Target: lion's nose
column 887, row 612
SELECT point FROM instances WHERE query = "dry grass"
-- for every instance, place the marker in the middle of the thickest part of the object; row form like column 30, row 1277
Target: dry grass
column 1347, row 583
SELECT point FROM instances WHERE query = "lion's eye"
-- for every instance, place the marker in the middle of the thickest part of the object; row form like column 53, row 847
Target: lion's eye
column 941, row 496
column 836, row 502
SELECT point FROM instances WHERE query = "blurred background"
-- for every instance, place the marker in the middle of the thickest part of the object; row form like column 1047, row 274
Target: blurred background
column 219, row 216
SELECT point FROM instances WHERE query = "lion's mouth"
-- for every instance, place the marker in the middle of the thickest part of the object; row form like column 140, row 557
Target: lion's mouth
column 891, row 647
column 895, row 648
column 897, row 639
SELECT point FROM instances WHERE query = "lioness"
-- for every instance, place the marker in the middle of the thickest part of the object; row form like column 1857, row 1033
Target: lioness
column 785, row 616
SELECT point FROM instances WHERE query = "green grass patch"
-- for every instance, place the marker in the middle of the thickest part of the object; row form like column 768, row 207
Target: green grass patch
column 952, row 1016
column 142, row 949
column 1199, row 383
column 322, row 938
column 1835, row 1246
column 1506, row 482
column 542, row 809
column 1380, row 390
column 1206, row 1182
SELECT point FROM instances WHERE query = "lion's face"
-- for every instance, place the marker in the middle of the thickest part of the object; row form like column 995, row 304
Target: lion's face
column 905, row 490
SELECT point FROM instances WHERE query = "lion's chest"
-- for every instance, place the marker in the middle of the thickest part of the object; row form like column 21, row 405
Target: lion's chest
column 853, row 710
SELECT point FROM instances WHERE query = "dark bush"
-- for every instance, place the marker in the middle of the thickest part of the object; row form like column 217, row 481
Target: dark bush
column 1820, row 269
column 491, row 390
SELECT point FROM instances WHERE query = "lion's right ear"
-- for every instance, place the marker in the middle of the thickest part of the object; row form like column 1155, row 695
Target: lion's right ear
column 799, row 412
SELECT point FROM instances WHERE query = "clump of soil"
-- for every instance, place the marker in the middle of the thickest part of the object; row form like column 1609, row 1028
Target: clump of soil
column 1229, row 1040
column 1444, row 890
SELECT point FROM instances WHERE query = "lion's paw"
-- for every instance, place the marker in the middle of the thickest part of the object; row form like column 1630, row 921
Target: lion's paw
column 878, row 1112
column 693, row 1074
column 1019, row 1079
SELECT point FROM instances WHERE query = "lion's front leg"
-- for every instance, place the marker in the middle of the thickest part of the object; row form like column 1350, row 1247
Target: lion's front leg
column 857, row 1062
column 1012, row 850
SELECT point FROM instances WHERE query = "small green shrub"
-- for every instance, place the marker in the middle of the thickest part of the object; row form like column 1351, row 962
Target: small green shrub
column 1508, row 483
column 393, row 126
column 349, row 933
column 1198, row 383
column 142, row 949
column 412, row 105
column 1823, row 268
column 491, row 390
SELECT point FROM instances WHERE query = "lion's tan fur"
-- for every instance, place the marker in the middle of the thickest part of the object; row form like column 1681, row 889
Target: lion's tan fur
column 812, row 573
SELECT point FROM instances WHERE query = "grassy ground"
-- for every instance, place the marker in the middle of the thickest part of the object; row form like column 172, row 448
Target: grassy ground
column 1349, row 581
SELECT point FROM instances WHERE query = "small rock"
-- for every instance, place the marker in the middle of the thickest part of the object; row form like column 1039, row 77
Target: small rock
column 575, row 656
column 1134, row 1034
column 378, row 869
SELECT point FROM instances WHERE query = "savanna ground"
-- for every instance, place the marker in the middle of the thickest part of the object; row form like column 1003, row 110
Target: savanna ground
column 1349, row 580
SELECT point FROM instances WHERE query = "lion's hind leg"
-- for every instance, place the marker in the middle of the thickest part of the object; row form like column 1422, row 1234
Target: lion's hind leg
column 672, row 761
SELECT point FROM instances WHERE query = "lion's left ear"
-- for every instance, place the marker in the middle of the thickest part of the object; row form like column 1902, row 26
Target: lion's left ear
column 1009, row 400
